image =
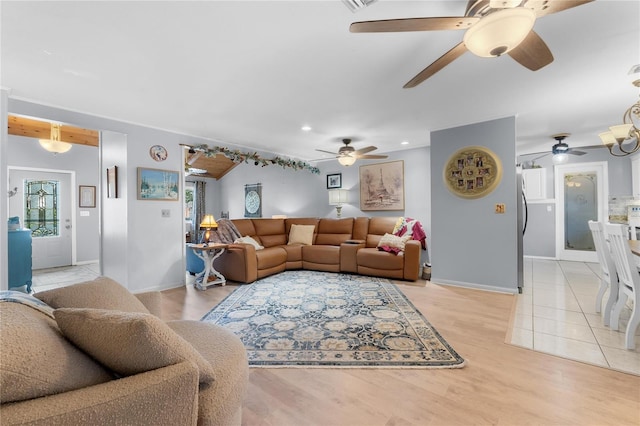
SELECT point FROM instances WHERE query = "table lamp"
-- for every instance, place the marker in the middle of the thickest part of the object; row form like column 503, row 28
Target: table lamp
column 208, row 223
column 337, row 197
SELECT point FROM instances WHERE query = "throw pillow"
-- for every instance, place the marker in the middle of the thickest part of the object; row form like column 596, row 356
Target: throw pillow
column 248, row 240
column 128, row 342
column 301, row 234
column 101, row 293
column 392, row 243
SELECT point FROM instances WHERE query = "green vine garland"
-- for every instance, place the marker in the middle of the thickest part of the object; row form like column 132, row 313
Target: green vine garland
column 238, row 156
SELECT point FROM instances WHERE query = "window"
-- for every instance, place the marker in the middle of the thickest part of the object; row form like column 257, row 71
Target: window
column 41, row 207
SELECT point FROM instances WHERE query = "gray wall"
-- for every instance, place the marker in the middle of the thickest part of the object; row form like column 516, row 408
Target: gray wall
column 540, row 237
column 472, row 245
column 27, row 152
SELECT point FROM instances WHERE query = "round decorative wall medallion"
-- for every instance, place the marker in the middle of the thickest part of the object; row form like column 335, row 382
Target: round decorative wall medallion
column 158, row 152
column 472, row 172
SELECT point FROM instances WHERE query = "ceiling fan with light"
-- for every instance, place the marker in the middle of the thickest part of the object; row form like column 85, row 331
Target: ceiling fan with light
column 493, row 28
column 347, row 155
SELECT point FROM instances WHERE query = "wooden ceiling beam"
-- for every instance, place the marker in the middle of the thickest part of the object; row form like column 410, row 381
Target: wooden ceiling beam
column 31, row 128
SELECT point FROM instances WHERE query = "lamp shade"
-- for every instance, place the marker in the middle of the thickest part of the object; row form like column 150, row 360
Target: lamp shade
column 208, row 222
column 607, row 138
column 338, row 196
column 621, row 131
column 346, row 160
column 499, row 32
column 560, row 158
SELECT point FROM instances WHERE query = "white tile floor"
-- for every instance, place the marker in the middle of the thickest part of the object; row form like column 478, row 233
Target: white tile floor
column 556, row 314
column 45, row 279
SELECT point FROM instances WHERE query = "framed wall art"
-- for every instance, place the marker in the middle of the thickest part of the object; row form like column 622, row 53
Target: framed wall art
column 472, row 172
column 253, row 200
column 86, row 196
column 382, row 186
column 158, row 185
column 112, row 182
column 334, row 181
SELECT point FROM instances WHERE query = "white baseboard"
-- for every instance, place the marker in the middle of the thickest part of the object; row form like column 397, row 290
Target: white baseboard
column 86, row 262
column 475, row 286
column 526, row 256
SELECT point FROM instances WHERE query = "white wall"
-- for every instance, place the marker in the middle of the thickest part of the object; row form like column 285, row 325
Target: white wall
column 4, row 137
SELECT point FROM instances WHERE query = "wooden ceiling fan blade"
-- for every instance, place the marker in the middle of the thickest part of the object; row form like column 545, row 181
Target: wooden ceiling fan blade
column 414, row 24
column 372, row 157
column 436, row 66
column 543, row 8
column 532, row 53
column 364, row 150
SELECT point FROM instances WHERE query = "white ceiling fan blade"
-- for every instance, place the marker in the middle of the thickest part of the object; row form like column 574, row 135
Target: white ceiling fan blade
column 504, row 4
column 194, row 157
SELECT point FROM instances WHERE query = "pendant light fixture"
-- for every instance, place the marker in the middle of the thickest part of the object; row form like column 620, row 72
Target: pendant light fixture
column 54, row 144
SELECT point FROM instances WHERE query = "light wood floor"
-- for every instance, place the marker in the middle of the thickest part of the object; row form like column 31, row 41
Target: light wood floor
column 501, row 384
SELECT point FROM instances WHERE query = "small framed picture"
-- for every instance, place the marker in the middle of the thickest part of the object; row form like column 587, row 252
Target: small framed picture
column 334, row 181
column 112, row 182
column 87, row 196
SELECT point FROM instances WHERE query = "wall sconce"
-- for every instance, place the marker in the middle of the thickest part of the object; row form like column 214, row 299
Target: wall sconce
column 208, row 223
column 54, row 144
column 337, row 197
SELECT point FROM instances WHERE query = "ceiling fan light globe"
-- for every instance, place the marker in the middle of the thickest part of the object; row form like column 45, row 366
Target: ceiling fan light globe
column 621, row 131
column 56, row 147
column 560, row 158
column 499, row 32
column 346, row 160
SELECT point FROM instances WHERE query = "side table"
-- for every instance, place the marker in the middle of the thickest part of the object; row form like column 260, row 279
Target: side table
column 208, row 253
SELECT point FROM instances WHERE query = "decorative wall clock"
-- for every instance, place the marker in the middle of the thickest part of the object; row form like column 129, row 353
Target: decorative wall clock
column 158, row 152
column 253, row 200
column 472, row 172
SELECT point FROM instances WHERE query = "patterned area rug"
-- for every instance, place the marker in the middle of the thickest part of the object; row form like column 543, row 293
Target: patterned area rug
column 321, row 319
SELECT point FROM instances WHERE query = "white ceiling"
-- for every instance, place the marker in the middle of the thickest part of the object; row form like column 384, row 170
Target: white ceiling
column 251, row 73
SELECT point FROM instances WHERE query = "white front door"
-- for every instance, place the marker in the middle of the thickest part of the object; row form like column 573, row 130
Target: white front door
column 581, row 195
column 53, row 247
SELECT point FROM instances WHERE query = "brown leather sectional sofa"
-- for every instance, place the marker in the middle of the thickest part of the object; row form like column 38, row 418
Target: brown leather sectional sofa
column 339, row 245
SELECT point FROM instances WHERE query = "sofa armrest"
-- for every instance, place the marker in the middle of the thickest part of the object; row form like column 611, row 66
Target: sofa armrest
column 412, row 260
column 238, row 263
column 143, row 399
column 348, row 255
column 152, row 300
column 354, row 242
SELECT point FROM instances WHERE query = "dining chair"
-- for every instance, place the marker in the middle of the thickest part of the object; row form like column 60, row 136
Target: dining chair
column 629, row 280
column 608, row 274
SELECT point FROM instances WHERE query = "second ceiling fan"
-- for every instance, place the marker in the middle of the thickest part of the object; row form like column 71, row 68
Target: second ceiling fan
column 347, row 155
column 493, row 28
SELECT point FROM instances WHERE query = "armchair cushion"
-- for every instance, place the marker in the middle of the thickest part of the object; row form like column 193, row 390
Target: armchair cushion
column 128, row 342
column 36, row 358
column 101, row 293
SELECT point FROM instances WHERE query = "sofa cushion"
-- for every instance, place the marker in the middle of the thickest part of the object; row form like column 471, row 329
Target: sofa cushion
column 271, row 257
column 36, row 358
column 392, row 243
column 101, row 293
column 248, row 240
column 128, row 342
column 301, row 234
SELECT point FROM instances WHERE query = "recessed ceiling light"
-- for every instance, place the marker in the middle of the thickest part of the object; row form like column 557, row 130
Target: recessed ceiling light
column 306, row 128
column 404, row 143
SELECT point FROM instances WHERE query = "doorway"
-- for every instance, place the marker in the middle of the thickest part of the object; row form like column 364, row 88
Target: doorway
column 581, row 195
column 44, row 203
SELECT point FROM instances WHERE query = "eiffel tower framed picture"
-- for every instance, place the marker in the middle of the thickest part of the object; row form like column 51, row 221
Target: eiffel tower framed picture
column 382, row 186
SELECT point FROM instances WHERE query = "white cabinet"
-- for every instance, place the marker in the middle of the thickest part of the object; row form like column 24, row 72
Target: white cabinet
column 534, row 182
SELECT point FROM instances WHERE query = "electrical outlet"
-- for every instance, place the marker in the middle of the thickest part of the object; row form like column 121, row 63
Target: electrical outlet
column 500, row 208
column 166, row 213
